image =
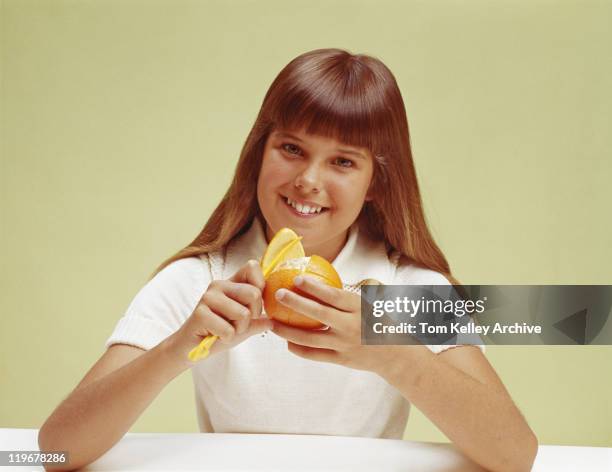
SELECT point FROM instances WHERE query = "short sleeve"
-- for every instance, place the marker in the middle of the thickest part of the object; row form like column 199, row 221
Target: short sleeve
column 163, row 304
column 410, row 274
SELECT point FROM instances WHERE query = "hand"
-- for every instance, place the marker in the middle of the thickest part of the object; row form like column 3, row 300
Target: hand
column 340, row 343
column 230, row 309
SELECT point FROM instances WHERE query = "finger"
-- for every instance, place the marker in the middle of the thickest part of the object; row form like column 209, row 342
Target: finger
column 314, row 354
column 239, row 315
column 250, row 273
column 225, row 306
column 214, row 324
column 310, row 338
column 311, row 308
column 245, row 294
column 335, row 297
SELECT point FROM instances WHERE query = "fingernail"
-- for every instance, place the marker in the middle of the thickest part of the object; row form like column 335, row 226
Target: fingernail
column 280, row 293
column 298, row 280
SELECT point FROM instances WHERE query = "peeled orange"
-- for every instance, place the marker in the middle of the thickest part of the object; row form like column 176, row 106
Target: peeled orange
column 282, row 277
column 283, row 260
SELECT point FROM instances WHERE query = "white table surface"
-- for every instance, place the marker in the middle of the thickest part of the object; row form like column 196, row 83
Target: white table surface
column 232, row 452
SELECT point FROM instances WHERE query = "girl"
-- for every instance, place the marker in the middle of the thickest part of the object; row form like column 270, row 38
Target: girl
column 328, row 156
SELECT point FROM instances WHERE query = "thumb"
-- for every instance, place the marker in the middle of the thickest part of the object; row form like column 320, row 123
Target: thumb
column 259, row 326
column 255, row 327
column 250, row 273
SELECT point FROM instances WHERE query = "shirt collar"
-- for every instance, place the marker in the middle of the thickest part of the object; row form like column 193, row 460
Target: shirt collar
column 361, row 258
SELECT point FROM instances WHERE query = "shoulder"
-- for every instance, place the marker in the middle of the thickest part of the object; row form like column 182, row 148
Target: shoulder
column 163, row 304
column 181, row 280
column 175, row 289
column 409, row 273
column 188, row 270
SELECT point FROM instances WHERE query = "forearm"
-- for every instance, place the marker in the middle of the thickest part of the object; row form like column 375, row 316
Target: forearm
column 94, row 417
column 481, row 420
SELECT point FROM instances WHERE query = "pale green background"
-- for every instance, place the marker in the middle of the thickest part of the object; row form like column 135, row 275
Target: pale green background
column 122, row 122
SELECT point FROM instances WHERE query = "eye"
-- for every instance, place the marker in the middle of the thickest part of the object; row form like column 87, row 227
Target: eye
column 291, row 148
column 345, row 162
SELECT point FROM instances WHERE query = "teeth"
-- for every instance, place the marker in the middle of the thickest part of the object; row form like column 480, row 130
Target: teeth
column 305, row 209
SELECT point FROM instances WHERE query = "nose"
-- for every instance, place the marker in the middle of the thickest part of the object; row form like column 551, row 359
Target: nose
column 309, row 180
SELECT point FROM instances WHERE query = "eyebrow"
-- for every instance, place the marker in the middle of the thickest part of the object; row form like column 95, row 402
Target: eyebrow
column 345, row 151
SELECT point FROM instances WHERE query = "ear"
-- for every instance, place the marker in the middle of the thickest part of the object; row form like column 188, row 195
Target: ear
column 370, row 195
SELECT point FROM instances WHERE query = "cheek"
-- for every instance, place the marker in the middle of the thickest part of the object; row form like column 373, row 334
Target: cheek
column 347, row 192
column 274, row 172
column 272, row 176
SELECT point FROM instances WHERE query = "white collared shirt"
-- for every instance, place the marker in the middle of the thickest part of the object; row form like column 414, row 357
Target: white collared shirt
column 259, row 386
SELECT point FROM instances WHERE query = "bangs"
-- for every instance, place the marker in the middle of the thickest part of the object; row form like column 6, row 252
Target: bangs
column 345, row 101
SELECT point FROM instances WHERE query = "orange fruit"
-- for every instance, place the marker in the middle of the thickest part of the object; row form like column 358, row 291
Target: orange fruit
column 282, row 277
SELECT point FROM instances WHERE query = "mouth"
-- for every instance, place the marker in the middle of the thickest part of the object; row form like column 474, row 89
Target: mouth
column 303, row 211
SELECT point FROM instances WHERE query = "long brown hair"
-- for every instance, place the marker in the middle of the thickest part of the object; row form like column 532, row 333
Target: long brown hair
column 356, row 100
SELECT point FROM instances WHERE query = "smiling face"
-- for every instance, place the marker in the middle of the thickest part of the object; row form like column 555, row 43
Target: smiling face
column 301, row 173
